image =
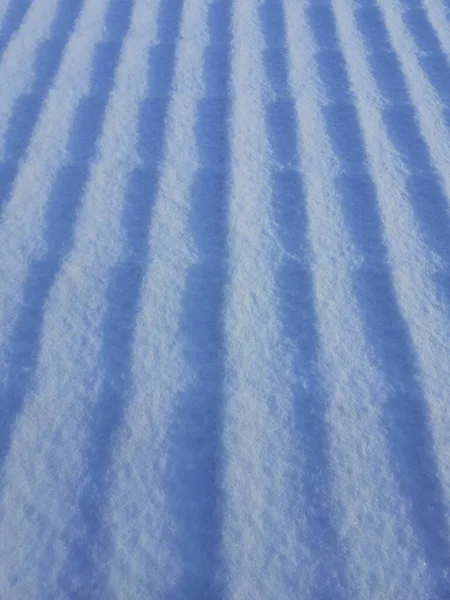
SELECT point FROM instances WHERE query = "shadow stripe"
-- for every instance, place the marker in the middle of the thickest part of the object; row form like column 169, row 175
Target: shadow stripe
column 405, row 413
column 86, row 575
column 298, row 313
column 12, row 21
column 28, row 107
column 198, row 418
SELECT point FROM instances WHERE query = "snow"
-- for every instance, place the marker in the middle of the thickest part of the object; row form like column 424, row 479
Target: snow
column 225, row 299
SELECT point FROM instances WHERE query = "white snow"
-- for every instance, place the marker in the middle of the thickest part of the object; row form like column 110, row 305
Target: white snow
column 225, row 299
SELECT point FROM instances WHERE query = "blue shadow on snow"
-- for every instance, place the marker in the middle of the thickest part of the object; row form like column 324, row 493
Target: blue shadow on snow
column 405, row 414
column 63, row 205
column 90, row 547
column 12, row 21
column 298, row 312
column 196, row 450
column 28, row 107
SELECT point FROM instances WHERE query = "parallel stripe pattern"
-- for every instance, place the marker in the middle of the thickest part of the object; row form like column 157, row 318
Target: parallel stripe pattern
column 225, row 299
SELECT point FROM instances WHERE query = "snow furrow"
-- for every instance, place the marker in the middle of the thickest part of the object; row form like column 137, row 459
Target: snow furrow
column 11, row 21
column 68, row 367
column 23, row 114
column 349, row 264
column 410, row 420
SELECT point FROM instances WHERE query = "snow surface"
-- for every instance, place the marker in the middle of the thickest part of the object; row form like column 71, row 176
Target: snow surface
column 225, row 299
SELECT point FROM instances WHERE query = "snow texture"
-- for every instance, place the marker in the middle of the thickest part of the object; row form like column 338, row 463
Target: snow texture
column 225, row 299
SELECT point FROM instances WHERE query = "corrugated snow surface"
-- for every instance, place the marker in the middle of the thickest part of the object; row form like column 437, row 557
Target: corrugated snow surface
column 225, row 299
